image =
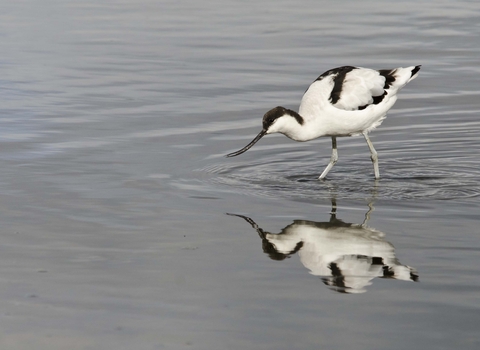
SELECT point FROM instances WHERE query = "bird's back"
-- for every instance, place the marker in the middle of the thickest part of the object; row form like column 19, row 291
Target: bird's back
column 350, row 100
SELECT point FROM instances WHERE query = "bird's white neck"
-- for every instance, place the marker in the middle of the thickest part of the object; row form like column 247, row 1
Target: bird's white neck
column 294, row 127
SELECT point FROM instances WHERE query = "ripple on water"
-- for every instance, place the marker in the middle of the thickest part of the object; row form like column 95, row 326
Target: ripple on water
column 435, row 159
column 402, row 179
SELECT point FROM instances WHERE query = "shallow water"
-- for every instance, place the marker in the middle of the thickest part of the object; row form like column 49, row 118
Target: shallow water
column 114, row 189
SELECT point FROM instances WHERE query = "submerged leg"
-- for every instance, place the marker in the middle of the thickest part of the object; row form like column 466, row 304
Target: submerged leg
column 374, row 156
column 333, row 159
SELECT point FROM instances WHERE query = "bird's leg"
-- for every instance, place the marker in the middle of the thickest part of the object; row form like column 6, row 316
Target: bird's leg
column 374, row 156
column 333, row 159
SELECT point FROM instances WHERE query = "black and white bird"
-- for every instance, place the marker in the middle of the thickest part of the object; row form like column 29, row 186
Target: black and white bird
column 343, row 101
column 347, row 256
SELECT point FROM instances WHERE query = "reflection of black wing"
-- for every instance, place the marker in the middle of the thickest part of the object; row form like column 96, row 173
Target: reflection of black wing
column 392, row 272
column 348, row 282
column 347, row 256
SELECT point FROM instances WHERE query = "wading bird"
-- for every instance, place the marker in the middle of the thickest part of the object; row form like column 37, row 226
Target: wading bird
column 343, row 101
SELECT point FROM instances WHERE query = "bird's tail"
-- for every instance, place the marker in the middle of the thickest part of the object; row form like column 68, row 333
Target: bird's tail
column 413, row 72
column 403, row 76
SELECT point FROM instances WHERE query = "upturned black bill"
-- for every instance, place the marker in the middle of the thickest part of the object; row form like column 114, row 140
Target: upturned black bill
column 247, row 147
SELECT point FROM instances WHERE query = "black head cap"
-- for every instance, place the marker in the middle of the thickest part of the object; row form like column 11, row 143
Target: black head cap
column 272, row 115
column 275, row 113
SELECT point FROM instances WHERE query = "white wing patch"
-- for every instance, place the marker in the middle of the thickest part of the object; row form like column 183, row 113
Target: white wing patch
column 358, row 88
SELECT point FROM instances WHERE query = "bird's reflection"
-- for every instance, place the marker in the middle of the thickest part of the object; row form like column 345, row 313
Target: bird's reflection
column 347, row 256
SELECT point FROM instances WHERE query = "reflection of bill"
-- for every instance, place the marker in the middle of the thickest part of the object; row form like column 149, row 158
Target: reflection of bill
column 347, row 256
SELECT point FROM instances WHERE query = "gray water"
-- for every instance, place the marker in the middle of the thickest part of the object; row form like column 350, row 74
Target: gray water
column 114, row 121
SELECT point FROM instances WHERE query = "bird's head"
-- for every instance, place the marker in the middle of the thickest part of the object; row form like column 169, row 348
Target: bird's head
column 278, row 119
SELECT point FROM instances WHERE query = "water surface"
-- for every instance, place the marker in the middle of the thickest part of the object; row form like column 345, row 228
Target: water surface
column 114, row 188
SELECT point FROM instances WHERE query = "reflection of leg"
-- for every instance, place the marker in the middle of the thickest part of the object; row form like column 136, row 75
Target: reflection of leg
column 374, row 156
column 333, row 213
column 333, row 159
column 367, row 214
